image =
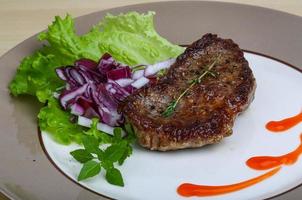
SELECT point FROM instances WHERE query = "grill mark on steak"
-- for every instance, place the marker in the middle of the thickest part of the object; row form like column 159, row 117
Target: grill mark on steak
column 206, row 114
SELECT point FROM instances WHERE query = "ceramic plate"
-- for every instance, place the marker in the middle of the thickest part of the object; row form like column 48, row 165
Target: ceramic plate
column 26, row 172
column 159, row 174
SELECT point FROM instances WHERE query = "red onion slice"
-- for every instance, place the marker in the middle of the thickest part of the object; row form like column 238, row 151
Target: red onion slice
column 60, row 73
column 153, row 69
column 69, row 95
column 137, row 74
column 83, row 121
column 76, row 109
column 77, row 76
column 87, row 63
column 123, row 82
column 121, row 72
column 140, row 82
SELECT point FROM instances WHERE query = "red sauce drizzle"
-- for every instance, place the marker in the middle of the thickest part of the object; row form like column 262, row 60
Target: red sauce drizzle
column 258, row 163
column 285, row 124
column 268, row 162
column 188, row 190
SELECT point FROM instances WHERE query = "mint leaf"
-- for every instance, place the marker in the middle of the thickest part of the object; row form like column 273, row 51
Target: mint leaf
column 114, row 177
column 81, row 155
column 114, row 152
column 89, row 169
column 91, row 144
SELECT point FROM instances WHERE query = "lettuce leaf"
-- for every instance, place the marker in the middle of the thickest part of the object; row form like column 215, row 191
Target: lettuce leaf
column 36, row 76
column 57, row 122
column 130, row 38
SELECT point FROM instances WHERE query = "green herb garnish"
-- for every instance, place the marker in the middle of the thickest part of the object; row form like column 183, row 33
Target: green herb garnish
column 172, row 105
column 161, row 73
column 95, row 156
column 89, row 169
column 139, row 67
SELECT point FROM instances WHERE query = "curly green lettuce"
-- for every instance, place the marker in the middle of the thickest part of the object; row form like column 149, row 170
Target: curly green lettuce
column 130, row 38
column 58, row 123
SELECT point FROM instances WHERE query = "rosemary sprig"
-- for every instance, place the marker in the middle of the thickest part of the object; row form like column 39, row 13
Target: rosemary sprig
column 172, row 105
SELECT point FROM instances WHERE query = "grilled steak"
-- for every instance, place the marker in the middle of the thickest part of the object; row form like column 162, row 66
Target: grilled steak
column 206, row 113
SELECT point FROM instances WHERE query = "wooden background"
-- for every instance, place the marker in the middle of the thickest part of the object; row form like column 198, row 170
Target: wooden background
column 20, row 19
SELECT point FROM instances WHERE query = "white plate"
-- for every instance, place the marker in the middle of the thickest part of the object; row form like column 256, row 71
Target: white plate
column 156, row 175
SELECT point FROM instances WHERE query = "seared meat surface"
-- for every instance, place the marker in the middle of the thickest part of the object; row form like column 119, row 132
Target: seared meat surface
column 206, row 113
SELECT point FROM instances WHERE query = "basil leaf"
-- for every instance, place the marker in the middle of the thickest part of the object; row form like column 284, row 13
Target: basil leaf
column 114, row 152
column 91, row 144
column 123, row 158
column 117, row 132
column 107, row 164
column 93, row 131
column 130, row 133
column 126, row 154
column 89, row 169
column 104, row 137
column 100, row 155
column 114, row 177
column 128, row 128
column 81, row 155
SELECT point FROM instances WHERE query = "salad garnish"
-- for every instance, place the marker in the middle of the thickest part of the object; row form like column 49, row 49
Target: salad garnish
column 95, row 157
column 68, row 76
